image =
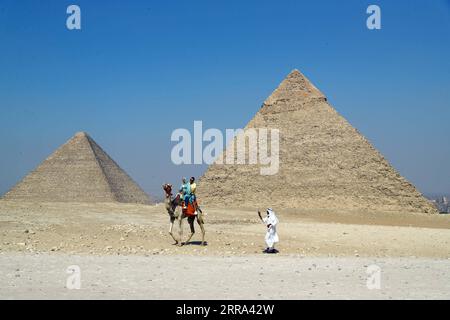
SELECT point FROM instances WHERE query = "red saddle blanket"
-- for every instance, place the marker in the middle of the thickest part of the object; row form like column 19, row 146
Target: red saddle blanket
column 190, row 209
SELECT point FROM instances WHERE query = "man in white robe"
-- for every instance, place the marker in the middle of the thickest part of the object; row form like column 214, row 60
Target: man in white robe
column 271, row 238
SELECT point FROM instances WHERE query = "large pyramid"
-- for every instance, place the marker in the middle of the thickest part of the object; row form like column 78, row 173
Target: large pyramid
column 79, row 171
column 324, row 163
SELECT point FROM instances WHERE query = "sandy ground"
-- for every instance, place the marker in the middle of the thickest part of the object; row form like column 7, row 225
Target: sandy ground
column 214, row 277
column 124, row 251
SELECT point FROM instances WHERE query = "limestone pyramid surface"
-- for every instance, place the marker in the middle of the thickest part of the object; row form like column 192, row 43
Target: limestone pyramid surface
column 324, row 163
column 79, row 171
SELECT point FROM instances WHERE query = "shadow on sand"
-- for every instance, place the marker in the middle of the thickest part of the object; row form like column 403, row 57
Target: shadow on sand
column 195, row 243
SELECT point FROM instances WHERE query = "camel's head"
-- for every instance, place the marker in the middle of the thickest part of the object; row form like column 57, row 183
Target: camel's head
column 167, row 189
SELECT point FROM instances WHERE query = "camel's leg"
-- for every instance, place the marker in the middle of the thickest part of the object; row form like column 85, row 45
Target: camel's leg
column 191, row 225
column 172, row 219
column 202, row 227
column 180, row 219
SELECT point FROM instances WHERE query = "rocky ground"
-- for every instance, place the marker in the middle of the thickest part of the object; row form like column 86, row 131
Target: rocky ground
column 39, row 240
column 122, row 229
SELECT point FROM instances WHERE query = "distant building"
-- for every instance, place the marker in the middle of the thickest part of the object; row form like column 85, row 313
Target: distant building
column 442, row 204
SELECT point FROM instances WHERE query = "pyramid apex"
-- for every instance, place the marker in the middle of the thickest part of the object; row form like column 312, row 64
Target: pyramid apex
column 81, row 134
column 295, row 85
column 296, row 75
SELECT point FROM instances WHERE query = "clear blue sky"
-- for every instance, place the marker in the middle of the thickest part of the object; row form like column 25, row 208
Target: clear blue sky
column 139, row 69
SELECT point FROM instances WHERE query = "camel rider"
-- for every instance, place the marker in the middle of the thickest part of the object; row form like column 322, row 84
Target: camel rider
column 193, row 198
column 193, row 187
column 185, row 191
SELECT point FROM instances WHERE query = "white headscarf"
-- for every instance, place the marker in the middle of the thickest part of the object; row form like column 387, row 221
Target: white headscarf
column 271, row 217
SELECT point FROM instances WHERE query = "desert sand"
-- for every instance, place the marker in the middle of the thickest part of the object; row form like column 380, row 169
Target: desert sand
column 220, row 277
column 125, row 251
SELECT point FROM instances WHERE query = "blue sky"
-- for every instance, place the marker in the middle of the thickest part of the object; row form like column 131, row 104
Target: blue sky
column 140, row 69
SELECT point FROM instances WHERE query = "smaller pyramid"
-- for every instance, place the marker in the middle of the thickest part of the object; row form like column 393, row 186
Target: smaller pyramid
column 79, row 171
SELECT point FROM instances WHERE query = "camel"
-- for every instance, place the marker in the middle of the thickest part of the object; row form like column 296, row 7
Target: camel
column 171, row 206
